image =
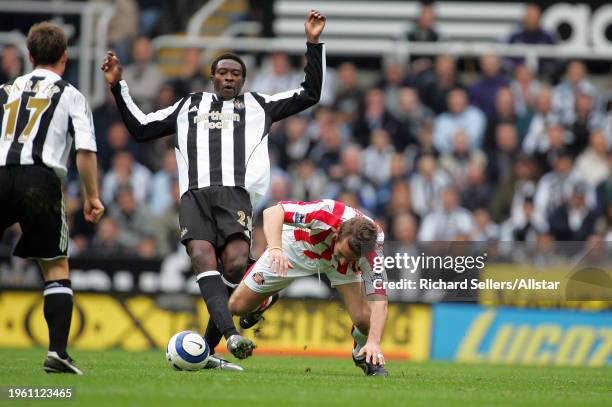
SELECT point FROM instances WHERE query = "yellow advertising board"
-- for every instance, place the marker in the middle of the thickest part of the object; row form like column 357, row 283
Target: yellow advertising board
column 308, row 327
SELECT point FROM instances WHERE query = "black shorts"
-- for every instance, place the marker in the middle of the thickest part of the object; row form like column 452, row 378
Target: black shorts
column 31, row 195
column 215, row 214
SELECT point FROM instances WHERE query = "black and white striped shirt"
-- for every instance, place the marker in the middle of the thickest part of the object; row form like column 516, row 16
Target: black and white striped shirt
column 224, row 142
column 41, row 115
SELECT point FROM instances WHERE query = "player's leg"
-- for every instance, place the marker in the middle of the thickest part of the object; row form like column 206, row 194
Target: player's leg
column 199, row 234
column 41, row 212
column 359, row 310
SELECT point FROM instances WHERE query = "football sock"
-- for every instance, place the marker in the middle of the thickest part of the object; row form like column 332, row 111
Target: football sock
column 215, row 296
column 212, row 335
column 360, row 339
column 58, row 314
column 267, row 303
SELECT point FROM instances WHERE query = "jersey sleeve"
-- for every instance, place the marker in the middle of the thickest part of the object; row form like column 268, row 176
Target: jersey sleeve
column 372, row 269
column 324, row 214
column 81, row 122
column 284, row 104
column 144, row 127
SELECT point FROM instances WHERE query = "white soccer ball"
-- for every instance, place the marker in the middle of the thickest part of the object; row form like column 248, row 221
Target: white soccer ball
column 187, row 350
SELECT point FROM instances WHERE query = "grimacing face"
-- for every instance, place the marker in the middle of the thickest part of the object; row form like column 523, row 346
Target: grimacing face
column 343, row 252
column 228, row 79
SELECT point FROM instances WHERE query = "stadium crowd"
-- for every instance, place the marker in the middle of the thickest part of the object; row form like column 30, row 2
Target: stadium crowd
column 499, row 154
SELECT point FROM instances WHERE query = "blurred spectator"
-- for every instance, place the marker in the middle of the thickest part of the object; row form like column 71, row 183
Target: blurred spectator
column 593, row 165
column 450, row 222
column 425, row 28
column 11, row 65
column 425, row 146
column 510, row 193
column 125, row 172
column 160, row 196
column 460, row 116
column 352, row 180
column 135, row 222
column 484, row 91
column 404, row 228
column 150, row 16
column 375, row 116
column 531, row 32
column 279, row 191
column 504, row 113
column 426, row 185
column 349, row 98
column 412, row 115
column 398, row 174
column 525, row 89
column 586, row 119
column 400, row 202
column 123, row 26
column 192, row 79
column 502, row 157
column 104, row 116
column 478, row 190
column 536, row 140
column 554, row 186
column 377, row 157
column 276, row 75
column 106, row 241
column 558, row 140
column 393, row 80
column 326, row 153
column 434, row 90
column 564, row 94
column 142, row 75
column 308, row 183
column 116, row 139
column 524, row 226
column 485, row 230
column 293, row 145
column 456, row 162
column 573, row 220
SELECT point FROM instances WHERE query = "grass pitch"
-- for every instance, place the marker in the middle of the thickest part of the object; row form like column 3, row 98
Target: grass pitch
column 119, row 378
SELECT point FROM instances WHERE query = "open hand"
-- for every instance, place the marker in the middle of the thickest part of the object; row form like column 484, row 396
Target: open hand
column 315, row 22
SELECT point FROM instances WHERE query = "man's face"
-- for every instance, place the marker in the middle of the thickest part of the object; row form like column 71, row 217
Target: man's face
column 343, row 252
column 228, row 79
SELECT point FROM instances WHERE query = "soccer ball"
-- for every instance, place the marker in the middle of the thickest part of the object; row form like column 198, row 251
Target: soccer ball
column 187, row 350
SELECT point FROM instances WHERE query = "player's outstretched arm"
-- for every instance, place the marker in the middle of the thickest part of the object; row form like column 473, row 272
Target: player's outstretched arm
column 142, row 127
column 87, row 165
column 293, row 101
column 378, row 318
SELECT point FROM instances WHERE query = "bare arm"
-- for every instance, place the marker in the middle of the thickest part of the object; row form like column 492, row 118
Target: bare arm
column 273, row 219
column 87, row 165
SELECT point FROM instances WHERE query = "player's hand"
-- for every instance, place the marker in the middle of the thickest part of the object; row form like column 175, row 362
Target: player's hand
column 372, row 353
column 112, row 68
column 93, row 210
column 278, row 262
column 315, row 22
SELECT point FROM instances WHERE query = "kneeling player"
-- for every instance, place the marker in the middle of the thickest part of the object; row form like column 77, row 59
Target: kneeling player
column 327, row 236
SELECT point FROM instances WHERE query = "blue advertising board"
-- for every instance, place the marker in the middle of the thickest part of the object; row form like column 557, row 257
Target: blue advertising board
column 472, row 333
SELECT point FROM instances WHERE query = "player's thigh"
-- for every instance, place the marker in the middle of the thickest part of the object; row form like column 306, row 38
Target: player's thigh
column 234, row 258
column 244, row 300
column 196, row 218
column 355, row 302
column 7, row 204
column 41, row 214
column 233, row 213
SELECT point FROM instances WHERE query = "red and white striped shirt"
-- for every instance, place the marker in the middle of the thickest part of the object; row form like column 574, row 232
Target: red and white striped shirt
column 314, row 226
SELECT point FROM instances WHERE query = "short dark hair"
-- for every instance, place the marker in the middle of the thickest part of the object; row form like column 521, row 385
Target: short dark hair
column 361, row 233
column 47, row 43
column 229, row 55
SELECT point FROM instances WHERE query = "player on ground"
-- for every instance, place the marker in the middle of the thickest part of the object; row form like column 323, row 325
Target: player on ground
column 327, row 236
column 41, row 116
column 222, row 154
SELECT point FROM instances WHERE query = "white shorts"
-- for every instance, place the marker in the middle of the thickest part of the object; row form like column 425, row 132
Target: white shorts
column 261, row 279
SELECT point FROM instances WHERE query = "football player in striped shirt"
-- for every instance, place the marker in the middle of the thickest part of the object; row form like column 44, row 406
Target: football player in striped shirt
column 221, row 145
column 306, row 238
column 41, row 116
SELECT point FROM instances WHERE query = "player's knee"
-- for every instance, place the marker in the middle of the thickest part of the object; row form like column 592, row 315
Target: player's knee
column 203, row 257
column 236, row 306
column 234, row 268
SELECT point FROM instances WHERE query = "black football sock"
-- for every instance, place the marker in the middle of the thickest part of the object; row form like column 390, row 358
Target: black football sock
column 216, row 298
column 212, row 335
column 58, row 314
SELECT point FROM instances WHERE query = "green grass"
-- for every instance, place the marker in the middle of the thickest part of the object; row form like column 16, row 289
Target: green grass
column 118, row 378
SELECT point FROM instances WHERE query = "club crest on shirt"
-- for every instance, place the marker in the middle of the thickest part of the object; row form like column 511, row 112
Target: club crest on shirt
column 299, row 217
column 238, row 104
column 258, row 278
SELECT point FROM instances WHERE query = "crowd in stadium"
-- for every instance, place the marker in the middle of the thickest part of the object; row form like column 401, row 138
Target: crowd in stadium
column 433, row 153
